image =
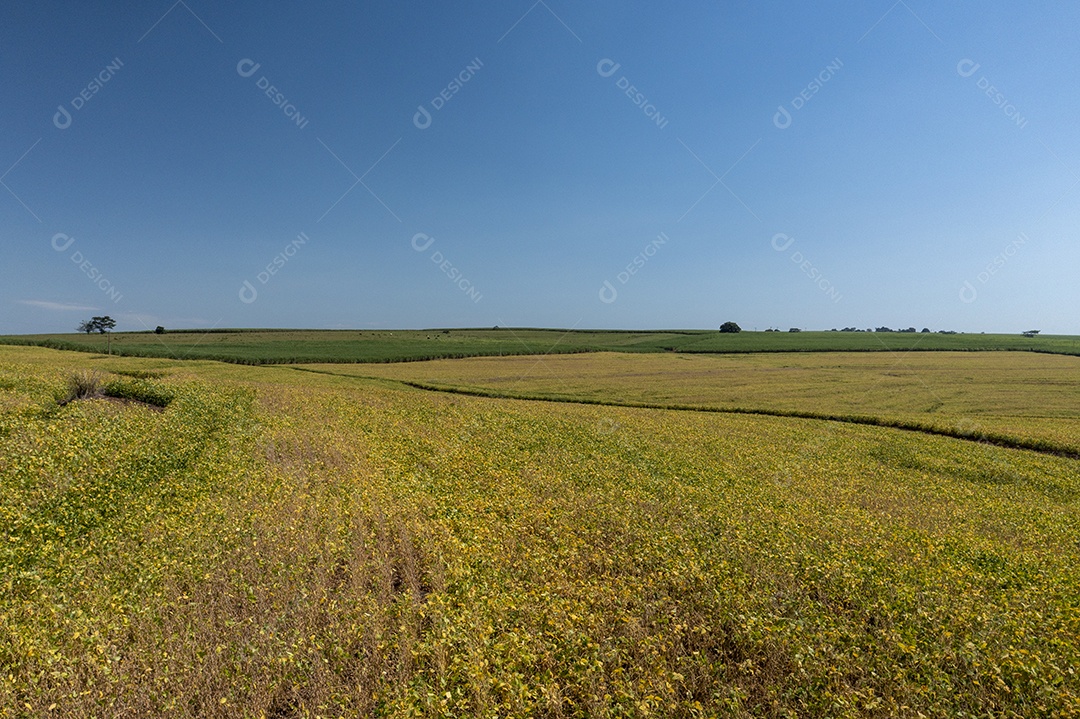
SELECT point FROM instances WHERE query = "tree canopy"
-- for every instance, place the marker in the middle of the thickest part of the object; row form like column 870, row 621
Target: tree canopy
column 97, row 324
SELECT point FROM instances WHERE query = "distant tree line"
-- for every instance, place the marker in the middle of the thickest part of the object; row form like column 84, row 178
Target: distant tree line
column 734, row 327
column 924, row 330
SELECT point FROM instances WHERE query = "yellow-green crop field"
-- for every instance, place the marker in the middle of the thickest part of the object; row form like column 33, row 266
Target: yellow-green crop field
column 1022, row 395
column 286, row 543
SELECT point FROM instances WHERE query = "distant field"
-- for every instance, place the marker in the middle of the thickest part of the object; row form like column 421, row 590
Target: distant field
column 291, row 543
column 344, row 346
column 1022, row 395
column 285, row 346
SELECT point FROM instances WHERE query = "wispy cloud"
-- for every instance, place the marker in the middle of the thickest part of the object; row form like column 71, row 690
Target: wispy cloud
column 57, row 306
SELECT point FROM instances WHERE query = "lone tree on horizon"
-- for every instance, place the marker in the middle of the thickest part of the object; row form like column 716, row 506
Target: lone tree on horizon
column 730, row 327
column 102, row 325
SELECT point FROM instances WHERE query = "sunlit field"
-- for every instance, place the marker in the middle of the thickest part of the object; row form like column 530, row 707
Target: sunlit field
column 229, row 541
column 1019, row 395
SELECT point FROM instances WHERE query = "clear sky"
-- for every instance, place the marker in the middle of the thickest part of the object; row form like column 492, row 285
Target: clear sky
column 560, row 164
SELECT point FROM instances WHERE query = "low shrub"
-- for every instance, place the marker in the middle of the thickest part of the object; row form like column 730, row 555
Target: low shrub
column 83, row 384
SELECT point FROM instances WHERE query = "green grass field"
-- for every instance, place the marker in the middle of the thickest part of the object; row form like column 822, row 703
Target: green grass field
column 283, row 543
column 341, row 346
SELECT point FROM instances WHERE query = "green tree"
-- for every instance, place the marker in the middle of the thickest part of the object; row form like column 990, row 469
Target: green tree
column 101, row 325
column 730, row 327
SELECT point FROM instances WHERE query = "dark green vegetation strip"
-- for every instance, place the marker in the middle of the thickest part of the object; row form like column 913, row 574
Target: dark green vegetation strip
column 256, row 347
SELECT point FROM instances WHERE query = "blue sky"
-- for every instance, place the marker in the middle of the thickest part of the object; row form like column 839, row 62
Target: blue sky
column 574, row 165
